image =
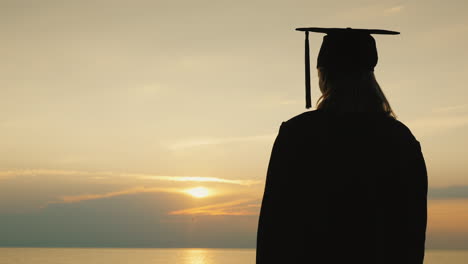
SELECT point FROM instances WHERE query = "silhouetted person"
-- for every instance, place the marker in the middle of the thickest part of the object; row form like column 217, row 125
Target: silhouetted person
column 346, row 183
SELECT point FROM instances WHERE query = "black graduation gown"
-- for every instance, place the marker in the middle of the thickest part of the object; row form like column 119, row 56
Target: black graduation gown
column 344, row 189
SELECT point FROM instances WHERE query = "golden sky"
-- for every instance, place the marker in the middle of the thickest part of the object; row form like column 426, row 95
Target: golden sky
column 121, row 107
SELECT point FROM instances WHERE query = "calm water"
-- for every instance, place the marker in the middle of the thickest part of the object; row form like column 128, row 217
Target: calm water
column 167, row 256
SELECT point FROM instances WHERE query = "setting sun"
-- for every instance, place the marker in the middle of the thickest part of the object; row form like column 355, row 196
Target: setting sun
column 198, row 192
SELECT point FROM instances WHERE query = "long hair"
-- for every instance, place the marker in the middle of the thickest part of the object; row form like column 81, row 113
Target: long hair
column 351, row 91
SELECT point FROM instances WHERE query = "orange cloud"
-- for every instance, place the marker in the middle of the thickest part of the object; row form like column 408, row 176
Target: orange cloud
column 85, row 197
column 394, row 10
column 238, row 207
column 202, row 179
column 448, row 215
column 103, row 174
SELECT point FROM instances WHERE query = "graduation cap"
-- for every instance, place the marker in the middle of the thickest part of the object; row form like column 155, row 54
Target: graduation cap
column 343, row 49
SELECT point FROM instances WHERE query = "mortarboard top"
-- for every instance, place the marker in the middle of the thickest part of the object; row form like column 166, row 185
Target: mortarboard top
column 343, row 49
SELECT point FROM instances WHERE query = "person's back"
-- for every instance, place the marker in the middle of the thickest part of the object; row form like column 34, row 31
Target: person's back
column 343, row 188
column 346, row 183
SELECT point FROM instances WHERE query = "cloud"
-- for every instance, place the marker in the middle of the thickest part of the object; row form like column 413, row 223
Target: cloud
column 448, row 216
column 203, row 179
column 449, row 192
column 139, row 220
column 394, row 10
column 366, row 12
column 86, row 197
column 442, row 119
column 183, row 144
column 435, row 124
column 101, row 175
column 451, row 109
column 239, row 207
column 35, row 172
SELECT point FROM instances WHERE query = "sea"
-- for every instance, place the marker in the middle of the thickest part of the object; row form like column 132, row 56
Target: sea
column 167, row 256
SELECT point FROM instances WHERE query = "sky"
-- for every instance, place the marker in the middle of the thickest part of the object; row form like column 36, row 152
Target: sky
column 115, row 115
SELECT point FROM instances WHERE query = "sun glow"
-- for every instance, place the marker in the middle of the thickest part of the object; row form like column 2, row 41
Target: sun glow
column 198, row 192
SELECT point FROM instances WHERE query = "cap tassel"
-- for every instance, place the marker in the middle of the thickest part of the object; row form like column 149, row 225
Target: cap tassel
column 307, row 72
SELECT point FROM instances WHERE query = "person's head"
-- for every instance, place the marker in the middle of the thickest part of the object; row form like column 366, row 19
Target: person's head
column 351, row 91
column 345, row 64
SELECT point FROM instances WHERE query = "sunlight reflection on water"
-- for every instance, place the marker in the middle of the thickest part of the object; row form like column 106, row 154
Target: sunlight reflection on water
column 167, row 256
column 197, row 256
column 126, row 255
